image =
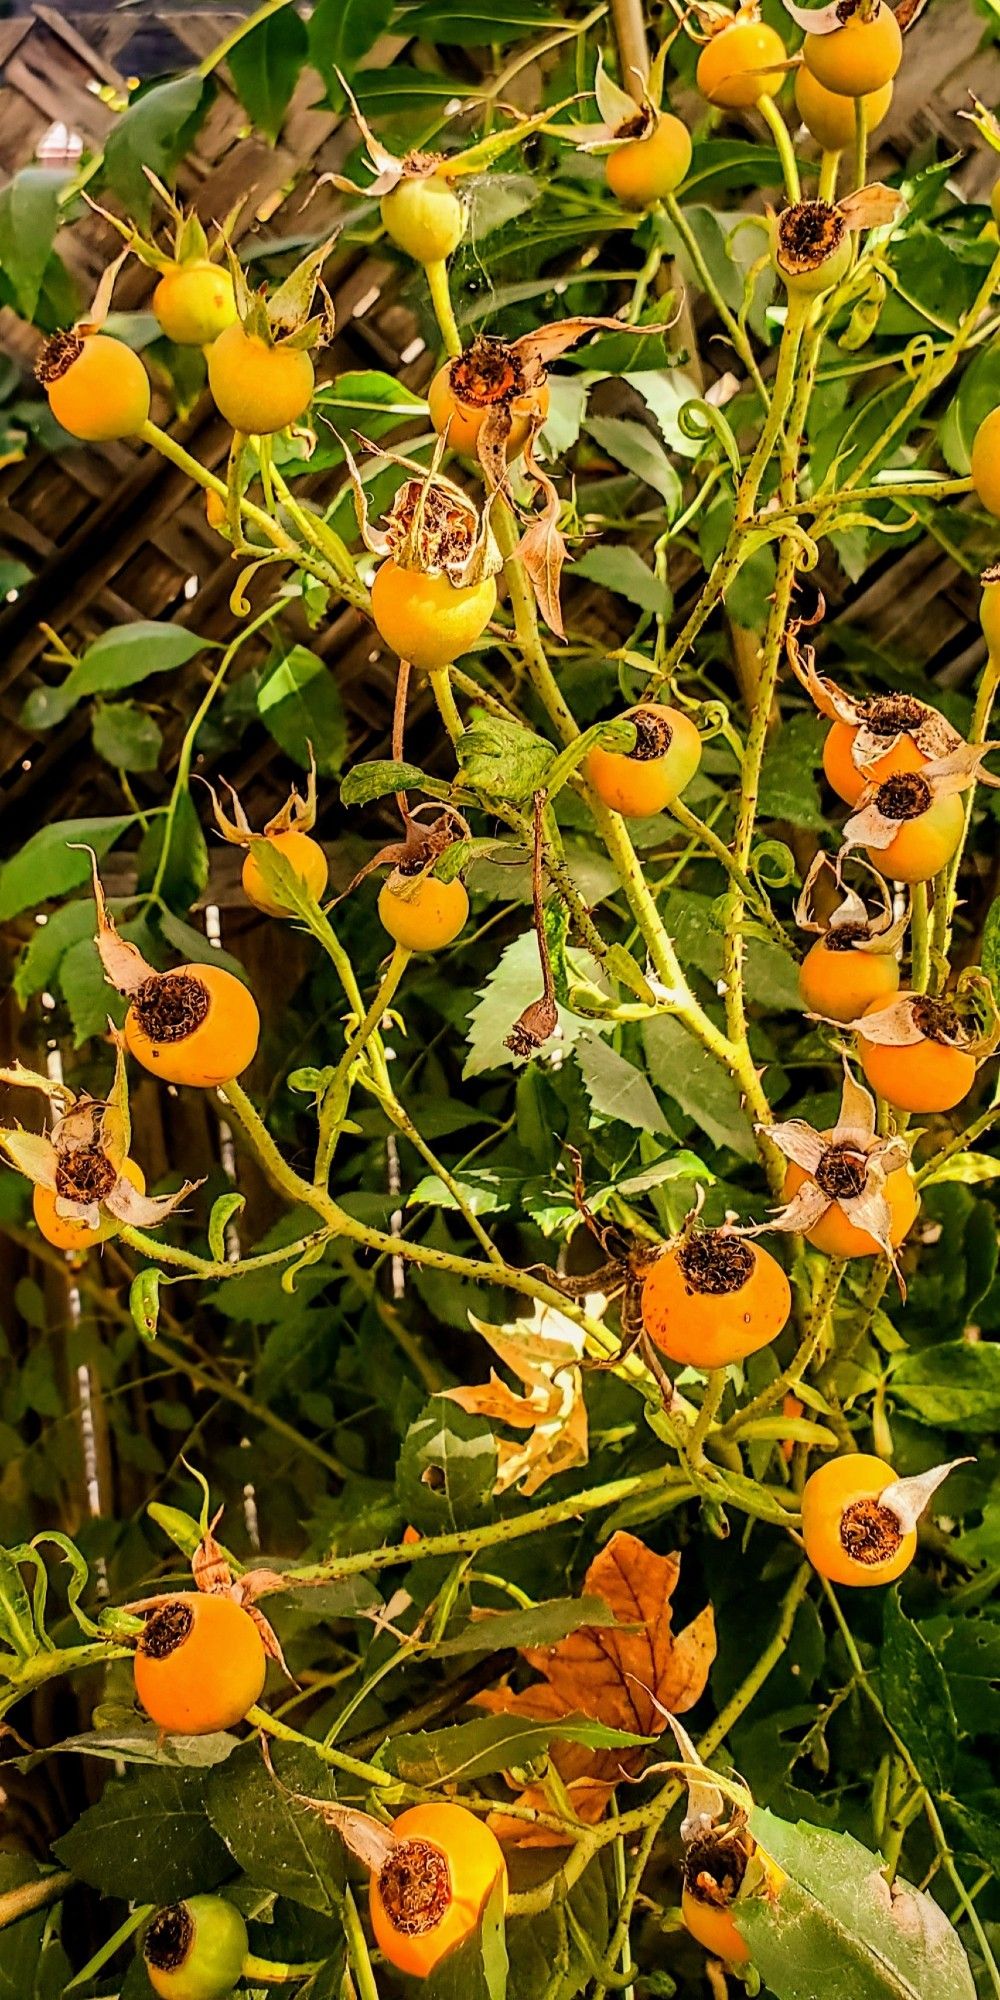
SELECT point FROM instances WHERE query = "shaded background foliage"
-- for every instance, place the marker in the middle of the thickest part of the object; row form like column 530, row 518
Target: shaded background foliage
column 304, row 1409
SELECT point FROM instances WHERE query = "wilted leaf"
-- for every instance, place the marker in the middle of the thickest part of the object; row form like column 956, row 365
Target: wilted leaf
column 623, row 1675
column 544, row 1352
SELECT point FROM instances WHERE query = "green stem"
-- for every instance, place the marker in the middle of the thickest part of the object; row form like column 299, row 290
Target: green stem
column 715, row 1389
column 708, row 838
column 930, row 379
column 736, row 332
column 28, row 1896
column 357, row 1951
column 511, row 1528
column 352, row 1767
column 860, row 142
column 985, row 698
column 183, row 778
column 444, row 312
column 133, row 1922
column 441, row 688
column 333, row 1108
column 783, row 141
column 829, row 169
column 272, row 1973
column 920, row 941
column 820, row 1319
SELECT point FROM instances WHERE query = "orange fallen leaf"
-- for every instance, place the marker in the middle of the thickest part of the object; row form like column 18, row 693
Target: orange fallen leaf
column 623, row 1675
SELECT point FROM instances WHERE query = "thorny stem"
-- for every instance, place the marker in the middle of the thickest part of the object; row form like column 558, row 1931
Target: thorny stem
column 820, row 1320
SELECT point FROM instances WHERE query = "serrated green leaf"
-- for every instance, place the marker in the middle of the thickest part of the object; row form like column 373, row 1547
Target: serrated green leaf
column 954, row 1387
column 126, row 736
column 836, row 1930
column 148, row 1838
column 492, row 1743
column 915, row 1695
column 300, row 706
column 279, row 1840
column 29, row 218
column 366, row 782
column 504, row 759
column 447, row 1469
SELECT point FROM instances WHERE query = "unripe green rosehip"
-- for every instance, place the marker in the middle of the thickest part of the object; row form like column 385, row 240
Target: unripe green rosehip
column 195, row 1950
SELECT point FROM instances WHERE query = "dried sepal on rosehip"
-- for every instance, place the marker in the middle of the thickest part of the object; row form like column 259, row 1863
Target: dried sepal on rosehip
column 195, row 299
column 743, row 58
column 286, row 833
column 713, row 1297
column 85, row 1184
column 435, row 589
column 422, row 909
column 490, row 399
column 723, row 1867
column 851, row 46
column 421, row 211
column 912, row 825
column 876, row 737
column 812, row 239
column 859, row 1522
column 432, row 1874
column 847, row 1191
column 97, row 387
column 921, row 1052
column 854, row 962
column 260, row 369
column 201, row 1659
column 197, row 1024
column 647, row 151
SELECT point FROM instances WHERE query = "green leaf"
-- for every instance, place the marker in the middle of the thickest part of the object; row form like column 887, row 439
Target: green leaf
column 53, row 861
column 503, row 758
column 640, row 452
column 194, row 946
column 33, row 1965
column 154, row 132
column 545, row 1953
column 788, row 787
column 621, row 568
column 17, row 1626
column 990, row 954
column 91, row 1001
column 916, row 1697
column 265, row 67
column 514, row 980
column 480, row 26
column 118, row 659
column 127, row 736
column 367, row 400
column 340, row 33
column 39, row 961
column 186, row 872
column 953, row 1387
column 537, row 1625
column 144, row 1301
column 299, row 704
column 615, row 1087
column 366, row 782
column 492, row 1743
column 147, row 1838
column 223, row 1211
column 447, row 1469
column 966, row 1168
column 836, row 1930
column 978, row 393
column 685, row 1072
column 486, row 1190
column 280, row 1842
column 29, row 218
